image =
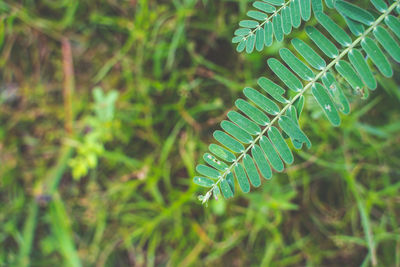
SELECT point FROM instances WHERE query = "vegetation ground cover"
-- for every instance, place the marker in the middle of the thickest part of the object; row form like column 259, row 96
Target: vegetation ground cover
column 107, row 106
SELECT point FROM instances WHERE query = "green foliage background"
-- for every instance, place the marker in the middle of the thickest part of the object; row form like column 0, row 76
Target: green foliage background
column 151, row 81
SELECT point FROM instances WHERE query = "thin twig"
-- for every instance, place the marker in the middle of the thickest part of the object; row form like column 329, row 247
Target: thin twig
column 69, row 85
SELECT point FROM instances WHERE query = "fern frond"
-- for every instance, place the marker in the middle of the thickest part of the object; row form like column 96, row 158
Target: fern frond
column 272, row 18
column 253, row 139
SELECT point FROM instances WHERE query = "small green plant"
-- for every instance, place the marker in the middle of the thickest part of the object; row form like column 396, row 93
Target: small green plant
column 253, row 142
column 98, row 130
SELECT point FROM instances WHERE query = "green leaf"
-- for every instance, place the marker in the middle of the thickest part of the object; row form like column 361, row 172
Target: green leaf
column 286, row 21
column 231, row 181
column 249, row 24
column 309, row 54
column 305, row 7
column 302, row 70
column 354, row 12
column 287, row 77
column 259, row 39
column 257, row 15
column 272, row 89
column 292, row 130
column 317, row 6
column 299, row 105
column 271, row 154
column 237, row 39
column 236, row 132
column 242, row 178
column 241, row 46
column 277, row 25
column 337, row 33
column 251, row 40
column 261, row 162
column 262, row 101
column 357, row 60
column 251, row 171
column 330, row 3
column 208, row 171
column 222, row 153
column 268, row 33
column 356, row 28
column 336, row 92
column 214, row 162
column 244, row 123
column 345, row 69
column 380, row 5
column 295, row 13
column 375, row 53
column 325, row 102
column 280, row 145
column 275, row 2
column 216, row 192
column 394, row 24
column 226, row 189
column 252, row 112
column 242, row 31
column 322, row 42
column 292, row 114
column 264, row 7
column 228, row 141
column 387, row 41
column 202, row 181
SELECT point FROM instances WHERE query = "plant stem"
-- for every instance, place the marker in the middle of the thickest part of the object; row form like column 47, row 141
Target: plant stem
column 69, row 84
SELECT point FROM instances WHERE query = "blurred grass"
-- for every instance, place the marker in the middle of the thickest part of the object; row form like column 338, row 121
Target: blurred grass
column 176, row 75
